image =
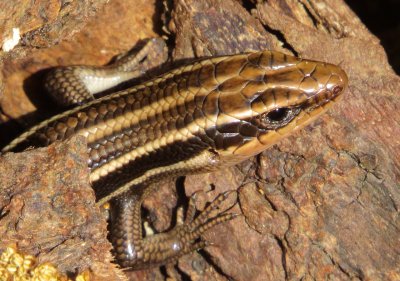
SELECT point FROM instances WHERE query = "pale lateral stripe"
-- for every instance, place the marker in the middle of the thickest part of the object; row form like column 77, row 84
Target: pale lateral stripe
column 132, row 90
column 70, row 112
column 200, row 162
column 176, row 135
column 105, row 129
column 126, row 120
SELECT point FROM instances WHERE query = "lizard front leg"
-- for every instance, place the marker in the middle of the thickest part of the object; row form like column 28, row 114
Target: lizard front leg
column 135, row 251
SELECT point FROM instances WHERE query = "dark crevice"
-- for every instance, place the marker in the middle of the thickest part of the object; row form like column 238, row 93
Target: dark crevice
column 5, row 114
column 309, row 14
column 273, row 206
column 184, row 275
column 163, row 271
column 321, row 22
column 248, row 5
column 157, row 18
column 166, row 272
column 3, row 213
column 283, row 249
column 182, row 199
column 288, row 195
column 356, row 272
column 281, row 37
column 342, row 269
column 62, row 242
column 161, row 19
column 382, row 18
column 209, row 260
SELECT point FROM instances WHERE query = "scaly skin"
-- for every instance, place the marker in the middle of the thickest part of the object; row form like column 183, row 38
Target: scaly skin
column 197, row 118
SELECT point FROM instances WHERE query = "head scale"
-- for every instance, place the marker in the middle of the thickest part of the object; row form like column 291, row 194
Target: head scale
column 271, row 96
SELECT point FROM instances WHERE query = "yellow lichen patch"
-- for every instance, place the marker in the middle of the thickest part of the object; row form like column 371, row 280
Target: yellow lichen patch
column 18, row 267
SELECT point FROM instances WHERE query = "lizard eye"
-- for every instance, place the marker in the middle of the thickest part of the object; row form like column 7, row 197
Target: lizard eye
column 277, row 115
column 276, row 118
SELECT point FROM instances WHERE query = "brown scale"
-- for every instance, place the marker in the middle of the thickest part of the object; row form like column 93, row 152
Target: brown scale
column 143, row 133
column 196, row 118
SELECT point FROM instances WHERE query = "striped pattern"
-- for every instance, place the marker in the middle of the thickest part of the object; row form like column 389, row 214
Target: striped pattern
column 161, row 126
column 78, row 84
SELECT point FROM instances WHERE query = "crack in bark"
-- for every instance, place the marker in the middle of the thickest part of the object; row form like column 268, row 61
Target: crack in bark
column 309, row 13
column 63, row 240
column 248, row 5
column 291, row 154
column 357, row 159
column 281, row 38
column 367, row 172
column 3, row 213
column 284, row 253
column 287, row 194
column 357, row 273
column 20, row 216
column 217, row 268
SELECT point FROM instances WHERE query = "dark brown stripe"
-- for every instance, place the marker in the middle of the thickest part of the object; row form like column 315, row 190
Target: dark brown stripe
column 163, row 157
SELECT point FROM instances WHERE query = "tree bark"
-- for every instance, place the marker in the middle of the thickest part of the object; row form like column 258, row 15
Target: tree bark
column 329, row 206
column 323, row 203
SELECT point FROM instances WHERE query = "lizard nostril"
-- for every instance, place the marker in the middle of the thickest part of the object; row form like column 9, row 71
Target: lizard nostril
column 337, row 90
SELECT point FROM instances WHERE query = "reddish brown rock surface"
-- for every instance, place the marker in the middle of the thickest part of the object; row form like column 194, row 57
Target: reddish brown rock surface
column 322, row 204
column 50, row 211
column 22, row 97
column 45, row 22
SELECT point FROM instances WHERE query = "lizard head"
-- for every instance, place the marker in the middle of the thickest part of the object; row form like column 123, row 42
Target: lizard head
column 272, row 96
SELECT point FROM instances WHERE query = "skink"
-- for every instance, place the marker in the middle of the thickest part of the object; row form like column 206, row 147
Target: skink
column 196, row 118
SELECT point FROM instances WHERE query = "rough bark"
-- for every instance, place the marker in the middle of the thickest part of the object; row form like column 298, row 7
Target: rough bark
column 323, row 203
column 45, row 22
column 48, row 209
column 329, row 200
